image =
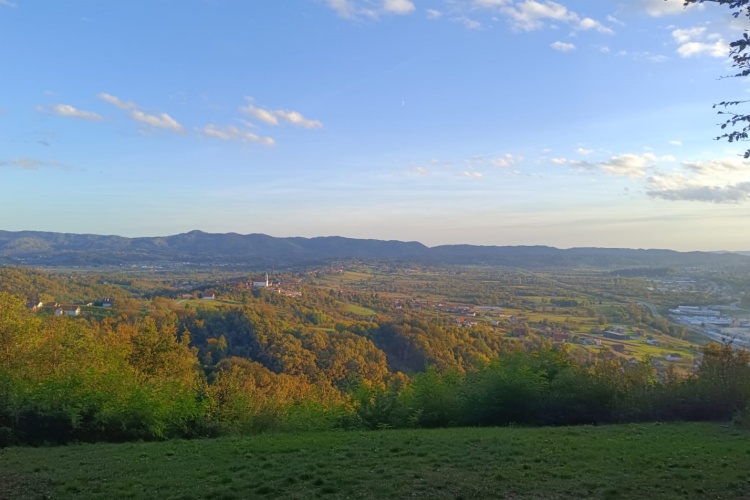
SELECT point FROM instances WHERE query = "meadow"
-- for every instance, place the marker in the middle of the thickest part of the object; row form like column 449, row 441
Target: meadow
column 696, row 460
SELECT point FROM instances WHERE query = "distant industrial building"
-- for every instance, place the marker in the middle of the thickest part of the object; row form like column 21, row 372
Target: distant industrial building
column 695, row 311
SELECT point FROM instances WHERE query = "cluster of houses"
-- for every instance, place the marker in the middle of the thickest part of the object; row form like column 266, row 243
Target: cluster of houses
column 259, row 283
column 466, row 322
column 58, row 309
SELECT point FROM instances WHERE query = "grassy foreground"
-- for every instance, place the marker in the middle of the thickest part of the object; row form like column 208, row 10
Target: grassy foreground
column 626, row 461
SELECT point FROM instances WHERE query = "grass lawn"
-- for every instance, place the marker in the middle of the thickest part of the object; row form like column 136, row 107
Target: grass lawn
column 628, row 461
column 359, row 310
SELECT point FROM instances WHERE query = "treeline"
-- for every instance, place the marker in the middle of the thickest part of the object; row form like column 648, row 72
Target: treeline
column 70, row 379
column 48, row 287
column 546, row 387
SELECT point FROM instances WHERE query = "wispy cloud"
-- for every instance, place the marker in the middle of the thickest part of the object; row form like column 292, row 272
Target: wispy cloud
column 274, row 117
column 505, row 161
column 353, row 9
column 563, row 46
column 531, row 15
column 591, row 24
column 232, row 133
column 264, row 115
column 162, row 120
column 399, row 7
column 643, row 56
column 715, row 168
column 658, row 8
column 733, row 193
column 434, row 14
column 495, row 160
column 343, row 8
column 468, row 22
column 72, row 112
column 156, row 121
column 7, row 3
column 295, row 118
column 32, row 164
column 116, row 101
column 625, row 165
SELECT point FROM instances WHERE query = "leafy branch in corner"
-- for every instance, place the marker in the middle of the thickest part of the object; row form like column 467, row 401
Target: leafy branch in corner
column 741, row 60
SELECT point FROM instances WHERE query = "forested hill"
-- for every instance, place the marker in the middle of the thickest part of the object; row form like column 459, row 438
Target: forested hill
column 257, row 250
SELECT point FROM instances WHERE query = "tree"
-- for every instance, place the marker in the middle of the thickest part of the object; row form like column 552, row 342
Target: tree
column 737, row 124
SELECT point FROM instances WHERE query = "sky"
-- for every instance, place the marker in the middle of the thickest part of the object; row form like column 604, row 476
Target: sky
column 492, row 122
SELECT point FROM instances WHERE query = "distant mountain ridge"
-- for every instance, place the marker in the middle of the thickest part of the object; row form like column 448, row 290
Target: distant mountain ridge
column 257, row 250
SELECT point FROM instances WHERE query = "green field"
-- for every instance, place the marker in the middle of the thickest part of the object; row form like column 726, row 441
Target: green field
column 359, row 310
column 627, row 461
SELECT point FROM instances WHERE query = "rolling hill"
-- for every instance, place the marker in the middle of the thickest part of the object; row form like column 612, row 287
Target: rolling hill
column 257, row 250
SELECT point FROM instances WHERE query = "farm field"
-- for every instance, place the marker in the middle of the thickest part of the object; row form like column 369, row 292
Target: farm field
column 627, row 461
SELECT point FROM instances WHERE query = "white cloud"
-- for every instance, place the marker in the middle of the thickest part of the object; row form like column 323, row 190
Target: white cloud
column 343, row 8
column 658, row 8
column 116, row 101
column 697, row 41
column 71, row 112
column 421, row 171
column 7, row 3
column 296, row 118
column 590, row 24
column 563, row 46
column 716, row 49
column 399, row 7
column 507, row 160
column 714, row 168
column 688, row 34
column 724, row 180
column 732, row 193
column 264, row 115
column 629, row 165
column 491, row 3
column 473, row 175
column 584, row 151
column 494, row 159
column 559, row 161
column 273, row 117
column 433, row 14
column 530, row 15
column 231, row 133
column 675, row 143
column 468, row 22
column 625, row 165
column 162, row 120
column 353, row 9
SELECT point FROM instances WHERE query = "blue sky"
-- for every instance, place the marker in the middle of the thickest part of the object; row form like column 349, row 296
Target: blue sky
column 496, row 122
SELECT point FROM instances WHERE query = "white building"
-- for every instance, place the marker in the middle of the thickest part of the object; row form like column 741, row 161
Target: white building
column 259, row 283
